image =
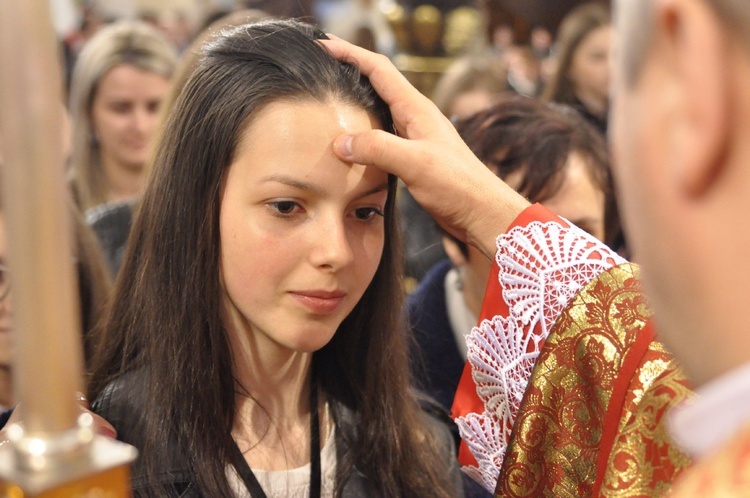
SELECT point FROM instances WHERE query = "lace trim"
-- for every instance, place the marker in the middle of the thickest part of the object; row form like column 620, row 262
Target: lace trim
column 542, row 266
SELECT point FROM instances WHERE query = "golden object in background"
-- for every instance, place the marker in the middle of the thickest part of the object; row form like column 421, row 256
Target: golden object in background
column 428, row 39
column 427, row 28
column 395, row 14
column 461, row 28
column 111, row 483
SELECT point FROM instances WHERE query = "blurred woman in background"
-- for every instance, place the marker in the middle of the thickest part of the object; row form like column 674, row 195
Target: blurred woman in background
column 119, row 82
column 582, row 50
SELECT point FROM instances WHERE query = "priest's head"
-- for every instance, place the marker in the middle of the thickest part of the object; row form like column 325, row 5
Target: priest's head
column 681, row 136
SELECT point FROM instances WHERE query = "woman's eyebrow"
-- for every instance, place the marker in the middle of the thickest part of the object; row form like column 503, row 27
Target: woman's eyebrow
column 294, row 182
column 380, row 188
column 316, row 189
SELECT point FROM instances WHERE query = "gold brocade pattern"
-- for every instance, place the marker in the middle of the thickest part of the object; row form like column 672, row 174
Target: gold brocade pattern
column 724, row 474
column 643, row 460
column 555, row 447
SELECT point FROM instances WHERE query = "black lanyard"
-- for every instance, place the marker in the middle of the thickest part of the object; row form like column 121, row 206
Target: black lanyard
column 251, row 482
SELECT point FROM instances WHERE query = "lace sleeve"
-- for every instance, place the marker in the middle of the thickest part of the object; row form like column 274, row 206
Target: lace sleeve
column 542, row 266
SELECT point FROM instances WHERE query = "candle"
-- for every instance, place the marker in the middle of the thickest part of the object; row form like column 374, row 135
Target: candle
column 44, row 292
column 55, row 453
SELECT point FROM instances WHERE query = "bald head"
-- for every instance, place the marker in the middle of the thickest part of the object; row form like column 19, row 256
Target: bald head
column 634, row 20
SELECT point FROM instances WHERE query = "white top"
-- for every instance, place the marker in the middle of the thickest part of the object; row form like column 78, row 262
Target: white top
column 461, row 318
column 293, row 483
column 720, row 409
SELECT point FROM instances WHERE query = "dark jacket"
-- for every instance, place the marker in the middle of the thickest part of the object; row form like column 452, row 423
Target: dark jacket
column 122, row 402
column 437, row 362
column 423, row 246
column 111, row 223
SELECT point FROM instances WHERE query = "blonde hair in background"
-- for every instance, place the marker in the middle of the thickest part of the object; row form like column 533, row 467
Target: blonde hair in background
column 124, row 42
column 475, row 72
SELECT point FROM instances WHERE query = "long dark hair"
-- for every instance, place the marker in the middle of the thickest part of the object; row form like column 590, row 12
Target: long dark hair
column 165, row 315
column 521, row 134
column 576, row 26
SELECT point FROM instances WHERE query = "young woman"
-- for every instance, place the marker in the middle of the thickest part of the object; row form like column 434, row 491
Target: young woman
column 256, row 343
column 581, row 79
column 119, row 81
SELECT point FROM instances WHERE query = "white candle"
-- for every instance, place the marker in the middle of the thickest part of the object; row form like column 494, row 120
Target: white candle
column 44, row 292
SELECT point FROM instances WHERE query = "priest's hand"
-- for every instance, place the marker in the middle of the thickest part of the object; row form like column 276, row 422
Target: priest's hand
column 429, row 156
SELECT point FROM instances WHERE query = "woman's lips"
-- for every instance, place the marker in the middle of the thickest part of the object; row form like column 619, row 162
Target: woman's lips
column 320, row 302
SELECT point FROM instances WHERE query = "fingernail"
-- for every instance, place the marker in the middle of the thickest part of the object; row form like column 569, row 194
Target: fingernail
column 345, row 146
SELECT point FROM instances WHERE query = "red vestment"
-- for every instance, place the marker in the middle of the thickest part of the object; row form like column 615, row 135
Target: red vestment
column 565, row 385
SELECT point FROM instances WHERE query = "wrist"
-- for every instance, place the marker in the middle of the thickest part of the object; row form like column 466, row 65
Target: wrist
column 501, row 211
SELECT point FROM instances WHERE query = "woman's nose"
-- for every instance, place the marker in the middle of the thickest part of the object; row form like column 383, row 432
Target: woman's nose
column 331, row 247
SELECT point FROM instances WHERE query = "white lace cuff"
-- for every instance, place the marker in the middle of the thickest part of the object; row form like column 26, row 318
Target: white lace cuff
column 542, row 266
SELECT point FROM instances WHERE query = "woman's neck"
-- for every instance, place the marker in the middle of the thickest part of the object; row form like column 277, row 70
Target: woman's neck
column 123, row 181
column 473, row 292
column 272, row 421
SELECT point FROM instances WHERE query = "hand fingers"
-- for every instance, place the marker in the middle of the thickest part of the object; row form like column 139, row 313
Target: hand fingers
column 414, row 115
column 101, row 426
column 97, row 423
column 378, row 148
column 387, row 80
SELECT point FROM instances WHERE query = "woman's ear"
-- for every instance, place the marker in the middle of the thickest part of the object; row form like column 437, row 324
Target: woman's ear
column 454, row 252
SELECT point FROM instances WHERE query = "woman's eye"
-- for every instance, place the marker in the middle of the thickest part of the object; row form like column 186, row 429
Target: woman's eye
column 599, row 56
column 367, row 213
column 120, row 107
column 284, row 207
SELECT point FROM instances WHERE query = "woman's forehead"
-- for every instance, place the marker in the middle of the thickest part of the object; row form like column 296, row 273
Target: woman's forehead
column 293, row 142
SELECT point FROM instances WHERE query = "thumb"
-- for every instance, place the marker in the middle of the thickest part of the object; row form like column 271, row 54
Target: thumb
column 377, row 148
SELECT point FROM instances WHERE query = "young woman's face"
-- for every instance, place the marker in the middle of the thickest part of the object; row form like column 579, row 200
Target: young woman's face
column 590, row 67
column 125, row 113
column 301, row 231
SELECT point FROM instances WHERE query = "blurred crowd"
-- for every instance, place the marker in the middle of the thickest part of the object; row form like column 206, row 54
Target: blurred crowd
column 122, row 76
column 248, row 240
column 532, row 106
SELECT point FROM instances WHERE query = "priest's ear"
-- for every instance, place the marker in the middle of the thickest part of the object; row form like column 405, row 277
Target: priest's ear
column 694, row 46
